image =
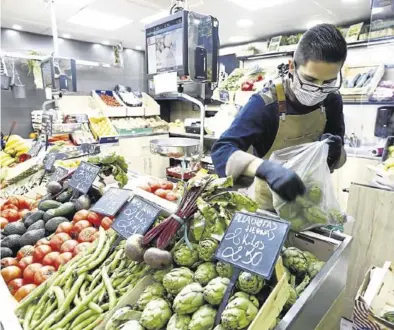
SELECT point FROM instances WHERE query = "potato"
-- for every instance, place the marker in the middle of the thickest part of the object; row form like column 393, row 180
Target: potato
column 158, row 259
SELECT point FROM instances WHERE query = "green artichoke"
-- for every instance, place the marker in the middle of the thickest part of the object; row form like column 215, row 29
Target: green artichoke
column 205, row 272
column 189, row 299
column 310, row 257
column 156, row 314
column 315, row 267
column 314, row 193
column 203, row 318
column 289, row 211
column 292, row 298
column 155, row 290
column 298, row 224
column 250, row 283
column 183, row 256
column 177, row 279
column 122, row 315
column 158, row 275
column 131, row 325
column 239, row 313
column 219, row 327
column 178, row 322
column 314, row 215
column 224, row 269
column 215, row 290
column 206, row 249
column 295, row 261
column 303, row 202
column 302, row 286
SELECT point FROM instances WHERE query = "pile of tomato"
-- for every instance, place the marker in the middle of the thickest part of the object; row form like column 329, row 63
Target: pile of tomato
column 162, row 189
column 33, row 265
column 15, row 208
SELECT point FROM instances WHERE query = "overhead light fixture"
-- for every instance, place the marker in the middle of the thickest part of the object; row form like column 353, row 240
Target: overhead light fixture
column 350, row 1
column 98, row 20
column 377, row 10
column 253, row 5
column 244, row 23
column 66, row 35
column 17, row 27
column 313, row 23
column 138, row 47
column 154, row 17
column 105, row 42
column 235, row 39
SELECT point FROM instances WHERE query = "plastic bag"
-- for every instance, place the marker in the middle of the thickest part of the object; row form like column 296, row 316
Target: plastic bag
column 318, row 206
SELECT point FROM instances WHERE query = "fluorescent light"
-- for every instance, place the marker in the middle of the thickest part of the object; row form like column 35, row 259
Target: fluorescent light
column 377, row 10
column 89, row 63
column 253, row 5
column 244, row 22
column 66, row 35
column 105, row 42
column 313, row 23
column 97, row 20
column 154, row 17
column 138, row 47
column 350, row 1
column 17, row 27
column 239, row 39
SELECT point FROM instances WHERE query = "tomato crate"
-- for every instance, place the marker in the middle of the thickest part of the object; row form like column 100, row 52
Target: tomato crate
column 117, row 109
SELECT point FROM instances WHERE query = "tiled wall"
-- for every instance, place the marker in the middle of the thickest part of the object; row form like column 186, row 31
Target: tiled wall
column 88, row 77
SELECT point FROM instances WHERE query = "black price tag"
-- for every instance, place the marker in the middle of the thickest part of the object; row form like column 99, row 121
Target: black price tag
column 59, row 174
column 81, row 118
column 47, row 124
column 91, row 149
column 84, row 176
column 111, row 202
column 50, row 160
column 253, row 243
column 136, row 217
column 224, row 96
column 35, row 149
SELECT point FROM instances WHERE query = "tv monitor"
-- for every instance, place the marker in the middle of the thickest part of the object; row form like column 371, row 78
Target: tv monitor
column 59, row 74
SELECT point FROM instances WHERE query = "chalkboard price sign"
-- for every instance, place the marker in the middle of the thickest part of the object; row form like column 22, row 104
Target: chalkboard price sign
column 88, row 148
column 136, row 217
column 112, row 201
column 81, row 118
column 35, row 149
column 224, row 96
column 47, row 124
column 50, row 160
column 59, row 174
column 253, row 243
column 84, row 176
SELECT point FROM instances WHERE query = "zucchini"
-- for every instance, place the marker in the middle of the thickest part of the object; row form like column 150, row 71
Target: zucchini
column 6, row 252
column 65, row 196
column 32, row 218
column 48, row 205
column 53, row 223
column 65, row 210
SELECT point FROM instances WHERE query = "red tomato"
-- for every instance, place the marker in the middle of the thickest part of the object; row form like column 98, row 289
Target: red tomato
column 145, row 187
column 106, row 223
column 78, row 227
column 6, row 262
column 40, row 252
column 3, row 222
column 87, row 235
column 43, row 241
column 50, row 258
column 10, row 207
column 63, row 259
column 64, row 227
column 81, row 215
column 81, row 247
column 24, row 291
column 23, row 212
column 24, row 262
column 57, row 241
column 10, row 273
column 30, row 270
column 94, row 218
column 26, row 251
column 25, row 203
column 170, row 196
column 154, row 187
column 169, row 185
column 161, row 193
column 43, row 274
column 68, row 246
column 14, row 285
column 10, row 215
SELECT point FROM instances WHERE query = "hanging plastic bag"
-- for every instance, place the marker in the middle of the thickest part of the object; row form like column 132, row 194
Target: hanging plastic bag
column 318, row 206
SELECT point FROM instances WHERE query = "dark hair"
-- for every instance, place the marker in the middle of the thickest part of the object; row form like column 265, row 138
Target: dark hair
column 322, row 43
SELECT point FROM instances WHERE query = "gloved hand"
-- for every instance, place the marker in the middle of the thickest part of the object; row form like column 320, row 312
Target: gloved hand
column 335, row 148
column 286, row 183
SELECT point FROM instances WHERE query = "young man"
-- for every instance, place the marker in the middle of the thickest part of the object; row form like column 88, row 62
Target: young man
column 304, row 107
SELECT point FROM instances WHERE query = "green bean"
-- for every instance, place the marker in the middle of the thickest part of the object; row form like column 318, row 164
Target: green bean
column 116, row 260
column 28, row 316
column 48, row 310
column 118, row 281
column 41, row 306
column 101, row 295
column 69, row 298
column 110, row 289
column 76, row 300
column 95, row 281
column 81, row 317
column 101, row 242
column 59, row 296
column 96, row 308
column 98, row 259
column 86, row 323
column 82, row 290
column 68, row 285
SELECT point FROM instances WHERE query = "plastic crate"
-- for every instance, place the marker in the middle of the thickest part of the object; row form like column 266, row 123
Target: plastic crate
column 109, row 111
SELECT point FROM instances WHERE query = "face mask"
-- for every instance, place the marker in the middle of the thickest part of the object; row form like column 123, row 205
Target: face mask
column 306, row 98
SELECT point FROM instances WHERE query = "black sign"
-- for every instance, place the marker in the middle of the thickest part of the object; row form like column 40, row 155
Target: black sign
column 47, row 124
column 253, row 243
column 135, row 218
column 50, row 160
column 224, row 96
column 88, row 148
column 59, row 174
column 35, row 149
column 112, row 201
column 82, row 118
column 84, row 176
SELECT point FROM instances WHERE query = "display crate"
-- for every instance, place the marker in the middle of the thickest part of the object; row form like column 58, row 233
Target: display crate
column 350, row 72
column 76, row 104
column 151, row 107
column 113, row 137
column 109, row 111
column 134, row 131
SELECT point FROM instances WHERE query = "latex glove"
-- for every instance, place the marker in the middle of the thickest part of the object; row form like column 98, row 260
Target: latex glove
column 335, row 148
column 286, row 183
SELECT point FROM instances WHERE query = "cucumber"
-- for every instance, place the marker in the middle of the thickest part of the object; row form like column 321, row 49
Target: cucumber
column 31, row 237
column 6, row 252
column 65, row 210
column 48, row 205
column 12, row 241
column 65, row 196
column 32, row 218
column 14, row 228
column 53, row 223
column 40, row 224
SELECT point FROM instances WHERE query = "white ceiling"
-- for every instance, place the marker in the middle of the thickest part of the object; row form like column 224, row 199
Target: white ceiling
column 294, row 15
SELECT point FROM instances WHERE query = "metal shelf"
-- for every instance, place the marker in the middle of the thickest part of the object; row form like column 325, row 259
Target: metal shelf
column 194, row 136
column 369, row 103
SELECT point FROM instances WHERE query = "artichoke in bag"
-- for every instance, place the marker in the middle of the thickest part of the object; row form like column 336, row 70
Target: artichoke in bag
column 155, row 290
column 337, row 216
column 177, row 279
column 315, row 267
column 215, row 290
column 203, row 318
column 156, row 314
column 189, row 299
column 294, row 260
column 314, row 215
column 292, row 298
column 314, row 193
column 224, row 269
column 179, row 322
column 289, row 211
column 206, row 249
column 302, row 286
column 183, row 256
column 250, row 283
column 205, row 272
column 310, row 257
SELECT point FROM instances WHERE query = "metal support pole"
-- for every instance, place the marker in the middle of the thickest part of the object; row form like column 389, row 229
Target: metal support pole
column 54, row 28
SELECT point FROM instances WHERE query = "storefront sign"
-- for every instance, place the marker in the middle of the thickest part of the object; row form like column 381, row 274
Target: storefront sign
column 112, row 201
column 84, row 177
column 59, row 174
